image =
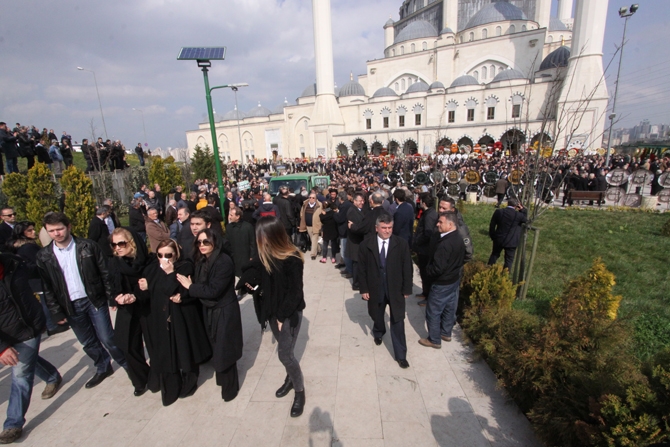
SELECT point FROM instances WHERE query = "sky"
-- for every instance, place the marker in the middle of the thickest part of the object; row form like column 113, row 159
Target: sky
column 132, row 47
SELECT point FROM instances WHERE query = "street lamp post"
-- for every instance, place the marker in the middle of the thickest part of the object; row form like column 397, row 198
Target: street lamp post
column 144, row 128
column 624, row 13
column 234, row 88
column 95, row 80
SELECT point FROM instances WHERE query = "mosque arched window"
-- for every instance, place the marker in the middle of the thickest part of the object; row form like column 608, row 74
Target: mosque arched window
column 393, row 52
column 485, row 33
column 396, row 87
column 402, row 49
column 424, row 46
column 413, row 48
column 471, row 37
column 550, row 39
column 512, row 29
column 498, row 30
column 402, row 85
column 493, row 71
column 302, row 139
column 476, row 75
column 306, row 124
column 484, row 73
column 523, row 28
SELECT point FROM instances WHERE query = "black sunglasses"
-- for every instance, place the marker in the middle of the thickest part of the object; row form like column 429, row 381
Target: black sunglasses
column 9, row 215
column 165, row 255
column 121, row 244
column 205, row 242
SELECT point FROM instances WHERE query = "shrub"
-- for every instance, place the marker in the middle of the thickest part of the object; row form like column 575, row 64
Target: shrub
column 166, row 173
column 79, row 201
column 202, row 163
column 42, row 194
column 15, row 187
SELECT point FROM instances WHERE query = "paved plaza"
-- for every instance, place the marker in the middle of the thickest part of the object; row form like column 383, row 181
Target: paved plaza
column 357, row 395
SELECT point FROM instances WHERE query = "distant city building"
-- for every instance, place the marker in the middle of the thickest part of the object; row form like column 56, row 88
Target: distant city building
column 454, row 71
column 643, row 132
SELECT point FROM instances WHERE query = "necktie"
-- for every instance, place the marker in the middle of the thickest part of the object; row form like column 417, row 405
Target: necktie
column 382, row 255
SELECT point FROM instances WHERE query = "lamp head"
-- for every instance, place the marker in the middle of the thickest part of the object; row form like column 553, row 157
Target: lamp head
column 79, row 68
column 623, row 11
column 634, row 7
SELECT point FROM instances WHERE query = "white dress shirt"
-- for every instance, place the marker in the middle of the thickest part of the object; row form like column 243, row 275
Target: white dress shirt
column 67, row 259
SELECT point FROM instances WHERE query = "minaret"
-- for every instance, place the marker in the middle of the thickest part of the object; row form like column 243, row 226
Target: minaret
column 389, row 33
column 543, row 12
column 326, row 109
column 449, row 15
column 583, row 102
column 565, row 10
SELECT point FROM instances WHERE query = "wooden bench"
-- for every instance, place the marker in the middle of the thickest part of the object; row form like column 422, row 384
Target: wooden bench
column 573, row 195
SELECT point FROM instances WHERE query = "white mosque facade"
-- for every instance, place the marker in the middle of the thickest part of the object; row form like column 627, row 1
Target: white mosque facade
column 454, row 71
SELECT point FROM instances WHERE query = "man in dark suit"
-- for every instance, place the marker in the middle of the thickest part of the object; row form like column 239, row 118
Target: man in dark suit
column 422, row 238
column 369, row 223
column 403, row 218
column 355, row 218
column 99, row 232
column 385, row 277
column 181, row 232
column 7, row 226
column 505, row 231
column 344, row 204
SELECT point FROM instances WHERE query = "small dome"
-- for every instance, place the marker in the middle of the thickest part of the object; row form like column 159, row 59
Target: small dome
column 464, row 80
column 389, row 22
column 508, row 75
column 384, row 91
column 419, row 86
column 352, row 88
column 259, row 111
column 280, row 108
column 435, row 85
column 416, row 30
column 310, row 90
column 556, row 24
column 234, row 115
column 446, row 30
column 557, row 58
column 498, row 11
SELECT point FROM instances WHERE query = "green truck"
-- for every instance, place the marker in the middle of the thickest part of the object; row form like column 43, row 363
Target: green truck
column 296, row 181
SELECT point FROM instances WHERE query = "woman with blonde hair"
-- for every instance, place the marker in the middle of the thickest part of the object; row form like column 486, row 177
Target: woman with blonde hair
column 179, row 340
column 126, row 267
column 276, row 277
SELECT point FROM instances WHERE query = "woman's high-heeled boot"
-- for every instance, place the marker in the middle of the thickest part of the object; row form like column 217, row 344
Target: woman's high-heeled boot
column 298, row 404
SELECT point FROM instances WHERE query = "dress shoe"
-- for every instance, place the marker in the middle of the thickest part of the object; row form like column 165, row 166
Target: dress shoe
column 429, row 344
column 298, row 404
column 445, row 338
column 59, row 328
column 139, row 391
column 420, row 296
column 404, row 364
column 285, row 388
column 378, row 341
column 347, row 276
column 52, row 388
column 339, row 266
column 98, row 378
column 422, row 303
column 10, row 435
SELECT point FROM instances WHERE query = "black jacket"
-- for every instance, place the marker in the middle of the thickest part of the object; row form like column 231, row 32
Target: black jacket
column 21, row 316
column 403, row 221
column 99, row 232
column 5, row 234
column 367, row 226
column 505, row 226
column 424, row 231
column 93, row 272
column 185, row 239
column 447, row 255
column 286, row 214
column 328, row 225
column 136, row 220
column 242, row 243
column 356, row 233
column 8, row 144
column 341, row 218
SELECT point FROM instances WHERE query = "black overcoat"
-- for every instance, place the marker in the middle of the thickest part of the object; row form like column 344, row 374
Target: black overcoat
column 505, row 226
column 177, row 332
column 214, row 285
column 399, row 273
column 354, row 236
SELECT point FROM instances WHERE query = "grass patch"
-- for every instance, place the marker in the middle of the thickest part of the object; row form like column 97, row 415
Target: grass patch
column 631, row 246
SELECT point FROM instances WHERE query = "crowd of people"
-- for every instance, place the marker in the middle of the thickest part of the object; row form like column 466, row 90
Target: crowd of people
column 176, row 273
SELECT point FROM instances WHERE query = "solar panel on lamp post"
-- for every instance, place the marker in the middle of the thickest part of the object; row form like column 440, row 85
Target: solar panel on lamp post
column 203, row 56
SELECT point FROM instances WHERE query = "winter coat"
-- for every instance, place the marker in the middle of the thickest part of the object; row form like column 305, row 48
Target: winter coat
column 328, row 225
column 316, row 222
column 243, row 243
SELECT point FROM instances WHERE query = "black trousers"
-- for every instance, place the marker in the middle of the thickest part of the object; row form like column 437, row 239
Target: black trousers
column 229, row 382
column 509, row 255
column 178, row 385
column 138, row 369
column 397, row 329
column 423, row 260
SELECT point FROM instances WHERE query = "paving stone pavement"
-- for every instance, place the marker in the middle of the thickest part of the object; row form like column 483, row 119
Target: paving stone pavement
column 357, row 395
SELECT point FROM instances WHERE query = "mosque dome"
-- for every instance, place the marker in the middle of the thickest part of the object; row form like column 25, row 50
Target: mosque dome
column 435, row 85
column 498, row 11
column 389, row 22
column 464, row 80
column 310, row 90
column 417, row 29
column 234, row 115
column 419, row 86
column 259, row 111
column 352, row 88
column 557, row 58
column 446, row 30
column 280, row 108
column 556, row 24
column 384, row 91
column 508, row 75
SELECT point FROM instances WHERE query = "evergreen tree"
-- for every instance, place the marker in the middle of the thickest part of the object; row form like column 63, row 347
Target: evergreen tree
column 42, row 194
column 15, row 187
column 79, row 201
column 202, row 163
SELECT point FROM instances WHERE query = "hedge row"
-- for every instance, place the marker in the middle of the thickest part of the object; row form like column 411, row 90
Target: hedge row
column 572, row 371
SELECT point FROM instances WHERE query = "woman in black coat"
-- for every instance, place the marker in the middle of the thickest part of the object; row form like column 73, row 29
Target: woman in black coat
column 330, row 232
column 179, row 339
column 126, row 268
column 214, row 284
column 279, row 299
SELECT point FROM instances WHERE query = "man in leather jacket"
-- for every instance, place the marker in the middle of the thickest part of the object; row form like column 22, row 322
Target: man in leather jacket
column 76, row 288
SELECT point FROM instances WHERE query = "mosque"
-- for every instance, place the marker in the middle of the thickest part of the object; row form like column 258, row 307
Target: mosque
column 454, row 71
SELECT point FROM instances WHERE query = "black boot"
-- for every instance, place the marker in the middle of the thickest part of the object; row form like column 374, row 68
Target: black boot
column 298, row 404
column 285, row 388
